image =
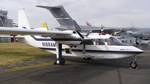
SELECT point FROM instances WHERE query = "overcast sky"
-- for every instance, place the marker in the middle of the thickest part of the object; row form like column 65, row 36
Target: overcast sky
column 122, row 13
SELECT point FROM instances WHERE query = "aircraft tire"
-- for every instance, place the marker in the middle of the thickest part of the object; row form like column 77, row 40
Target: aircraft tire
column 133, row 65
column 60, row 61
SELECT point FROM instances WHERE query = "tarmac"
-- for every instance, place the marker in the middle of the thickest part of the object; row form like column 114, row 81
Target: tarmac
column 103, row 72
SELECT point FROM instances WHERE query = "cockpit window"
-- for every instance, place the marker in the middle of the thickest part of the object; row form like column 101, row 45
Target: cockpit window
column 113, row 41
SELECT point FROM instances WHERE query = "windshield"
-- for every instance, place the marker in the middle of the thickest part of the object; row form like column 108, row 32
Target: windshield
column 113, row 41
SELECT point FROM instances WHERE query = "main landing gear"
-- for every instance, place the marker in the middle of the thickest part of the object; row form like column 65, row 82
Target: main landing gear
column 133, row 63
column 59, row 59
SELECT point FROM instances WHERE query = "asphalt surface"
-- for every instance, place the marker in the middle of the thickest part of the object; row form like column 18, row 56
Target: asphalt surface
column 104, row 72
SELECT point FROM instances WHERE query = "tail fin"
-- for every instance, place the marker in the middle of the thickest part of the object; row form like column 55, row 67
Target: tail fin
column 44, row 25
column 63, row 17
column 22, row 19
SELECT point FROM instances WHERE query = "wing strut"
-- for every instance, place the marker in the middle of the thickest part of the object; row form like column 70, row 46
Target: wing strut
column 59, row 59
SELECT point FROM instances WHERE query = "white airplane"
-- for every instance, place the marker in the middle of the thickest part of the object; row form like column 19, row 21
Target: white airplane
column 71, row 42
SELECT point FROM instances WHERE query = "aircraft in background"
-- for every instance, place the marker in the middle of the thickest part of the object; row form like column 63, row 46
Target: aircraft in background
column 72, row 42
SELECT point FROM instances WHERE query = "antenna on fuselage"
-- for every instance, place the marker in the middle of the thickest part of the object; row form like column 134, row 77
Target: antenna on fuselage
column 101, row 29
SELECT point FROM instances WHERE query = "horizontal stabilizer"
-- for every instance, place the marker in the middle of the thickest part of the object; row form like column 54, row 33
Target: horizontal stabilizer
column 19, row 31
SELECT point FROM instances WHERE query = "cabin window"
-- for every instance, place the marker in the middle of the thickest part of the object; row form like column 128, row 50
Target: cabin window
column 68, row 50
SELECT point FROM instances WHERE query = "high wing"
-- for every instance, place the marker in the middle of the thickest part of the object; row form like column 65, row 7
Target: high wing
column 62, row 17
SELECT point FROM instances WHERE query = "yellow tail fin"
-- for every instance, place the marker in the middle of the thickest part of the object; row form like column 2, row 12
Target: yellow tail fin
column 44, row 25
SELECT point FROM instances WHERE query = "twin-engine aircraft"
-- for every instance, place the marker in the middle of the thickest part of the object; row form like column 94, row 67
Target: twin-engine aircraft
column 71, row 42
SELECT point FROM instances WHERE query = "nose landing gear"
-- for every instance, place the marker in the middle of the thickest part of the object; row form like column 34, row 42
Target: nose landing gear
column 133, row 63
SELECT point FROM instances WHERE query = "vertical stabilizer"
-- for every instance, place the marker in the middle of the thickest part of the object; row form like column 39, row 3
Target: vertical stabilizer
column 22, row 19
